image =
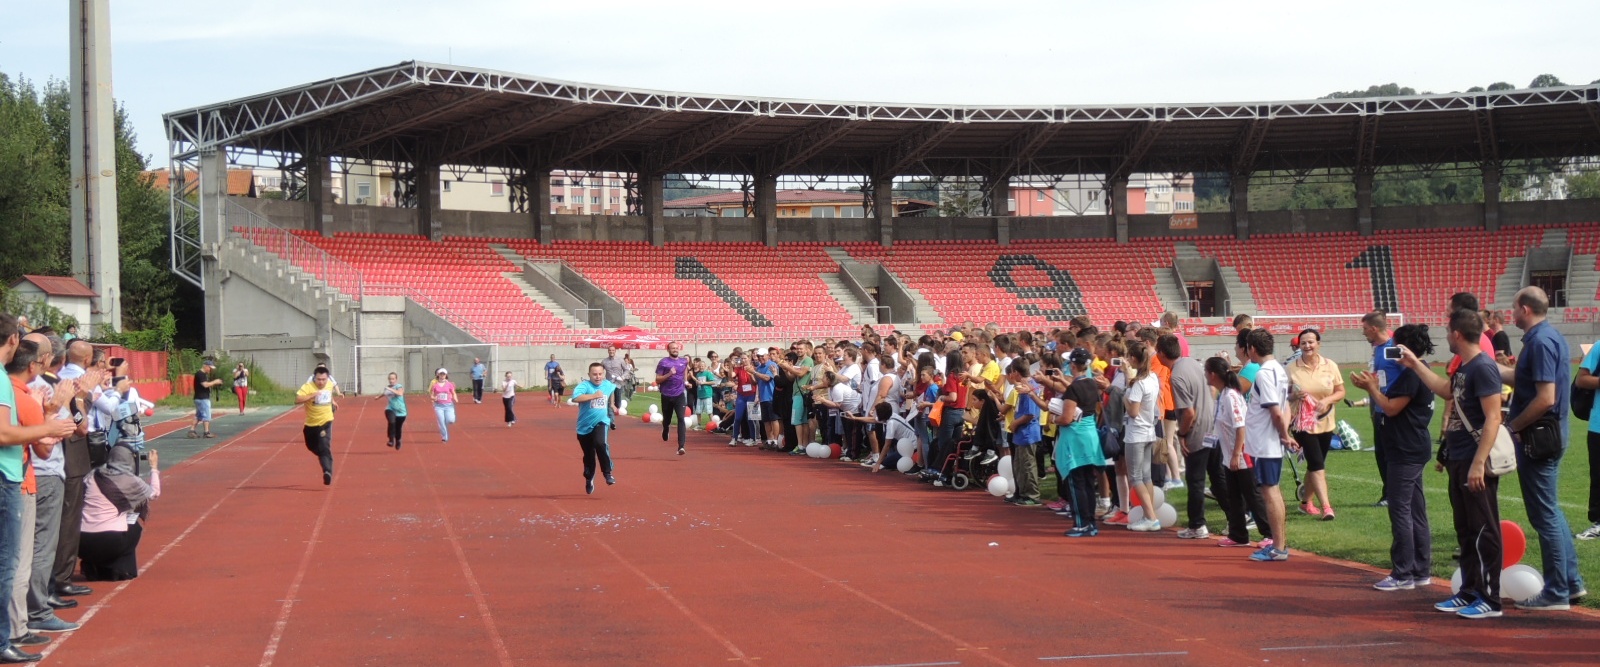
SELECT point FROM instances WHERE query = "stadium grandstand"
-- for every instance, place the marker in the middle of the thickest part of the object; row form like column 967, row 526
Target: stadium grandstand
column 833, row 218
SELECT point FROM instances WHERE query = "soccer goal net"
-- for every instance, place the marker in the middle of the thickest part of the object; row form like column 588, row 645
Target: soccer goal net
column 415, row 365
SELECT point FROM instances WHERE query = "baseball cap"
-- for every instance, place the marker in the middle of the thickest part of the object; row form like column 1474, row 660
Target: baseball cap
column 443, row 371
column 1079, row 357
column 957, row 335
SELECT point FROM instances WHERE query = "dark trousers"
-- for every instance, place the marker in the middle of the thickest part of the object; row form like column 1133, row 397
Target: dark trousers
column 1243, row 494
column 510, row 403
column 71, row 522
column 319, row 441
column 944, row 443
column 672, row 407
column 1378, row 453
column 111, row 555
column 1411, row 546
column 1200, row 464
column 1082, row 483
column 397, row 425
column 1477, row 522
column 595, row 449
column 477, row 390
column 1594, row 477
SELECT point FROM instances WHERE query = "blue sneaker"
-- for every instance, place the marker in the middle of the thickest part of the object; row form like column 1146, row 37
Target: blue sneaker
column 1393, row 584
column 1479, row 609
column 1456, row 603
column 1269, row 554
column 1083, row 531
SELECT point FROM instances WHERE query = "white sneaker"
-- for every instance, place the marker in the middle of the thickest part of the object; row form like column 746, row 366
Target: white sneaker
column 1194, row 533
column 1592, row 533
column 1145, row 526
column 846, row 459
column 749, row 443
column 733, row 442
column 1172, row 484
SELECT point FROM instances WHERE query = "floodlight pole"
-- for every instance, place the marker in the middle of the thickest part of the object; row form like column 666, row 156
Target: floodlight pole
column 95, row 261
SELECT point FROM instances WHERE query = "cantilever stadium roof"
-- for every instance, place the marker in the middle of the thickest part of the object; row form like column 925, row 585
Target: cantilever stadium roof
column 422, row 112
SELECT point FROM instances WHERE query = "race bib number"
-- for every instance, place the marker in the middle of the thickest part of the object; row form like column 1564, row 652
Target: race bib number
column 1210, row 441
column 324, row 397
column 598, row 403
column 746, row 387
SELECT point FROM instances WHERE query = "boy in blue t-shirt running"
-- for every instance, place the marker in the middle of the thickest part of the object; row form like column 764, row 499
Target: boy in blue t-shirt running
column 593, row 397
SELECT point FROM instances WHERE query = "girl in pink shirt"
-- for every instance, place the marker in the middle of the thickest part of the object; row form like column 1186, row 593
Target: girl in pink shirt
column 444, row 401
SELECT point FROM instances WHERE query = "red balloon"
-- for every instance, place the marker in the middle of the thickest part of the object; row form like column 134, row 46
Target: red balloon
column 1513, row 544
column 1133, row 498
column 834, row 451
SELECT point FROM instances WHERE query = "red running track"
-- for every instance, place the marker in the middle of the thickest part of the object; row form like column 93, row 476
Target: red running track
column 485, row 551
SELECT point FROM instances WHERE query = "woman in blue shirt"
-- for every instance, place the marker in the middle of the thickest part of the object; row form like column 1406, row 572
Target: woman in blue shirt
column 395, row 412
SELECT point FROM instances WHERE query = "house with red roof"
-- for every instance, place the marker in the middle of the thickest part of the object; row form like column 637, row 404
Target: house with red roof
column 65, row 293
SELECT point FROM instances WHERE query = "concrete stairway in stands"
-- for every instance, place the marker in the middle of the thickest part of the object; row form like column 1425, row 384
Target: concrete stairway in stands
column 533, row 293
column 860, row 313
column 1240, row 299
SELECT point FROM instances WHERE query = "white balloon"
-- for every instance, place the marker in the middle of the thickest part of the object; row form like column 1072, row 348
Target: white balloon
column 904, row 464
column 1167, row 515
column 656, row 417
column 816, row 450
column 1455, row 581
column 1011, row 487
column 1520, row 582
column 1005, row 467
column 1136, row 514
column 906, row 447
column 1160, row 497
column 654, row 408
column 692, row 420
column 997, row 486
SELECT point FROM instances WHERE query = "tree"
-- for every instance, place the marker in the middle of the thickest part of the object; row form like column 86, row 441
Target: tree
column 33, row 188
column 1500, row 85
column 960, row 197
column 1546, row 81
column 1583, row 185
column 1384, row 90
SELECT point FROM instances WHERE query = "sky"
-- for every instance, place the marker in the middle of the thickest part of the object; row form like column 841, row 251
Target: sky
column 178, row 54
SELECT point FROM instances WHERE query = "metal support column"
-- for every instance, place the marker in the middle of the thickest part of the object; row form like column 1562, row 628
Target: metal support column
column 767, row 208
column 883, row 208
column 1491, row 197
column 1239, row 190
column 653, row 189
column 1364, row 202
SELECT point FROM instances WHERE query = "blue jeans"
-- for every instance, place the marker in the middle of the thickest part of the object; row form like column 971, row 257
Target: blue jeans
column 10, row 548
column 446, row 414
column 1538, row 482
column 741, row 423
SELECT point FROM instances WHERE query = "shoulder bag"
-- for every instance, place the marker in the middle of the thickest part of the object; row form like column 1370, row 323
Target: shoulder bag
column 1503, row 455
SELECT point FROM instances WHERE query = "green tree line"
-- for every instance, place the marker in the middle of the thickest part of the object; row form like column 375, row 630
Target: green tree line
column 35, row 235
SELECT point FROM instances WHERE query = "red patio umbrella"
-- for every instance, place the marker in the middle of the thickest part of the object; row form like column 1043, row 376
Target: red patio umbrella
column 624, row 338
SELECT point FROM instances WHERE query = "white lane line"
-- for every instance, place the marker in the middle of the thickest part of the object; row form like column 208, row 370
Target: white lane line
column 282, row 624
column 1328, row 646
column 1114, row 655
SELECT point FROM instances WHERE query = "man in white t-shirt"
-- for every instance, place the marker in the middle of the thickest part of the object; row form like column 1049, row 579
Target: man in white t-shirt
column 1266, row 434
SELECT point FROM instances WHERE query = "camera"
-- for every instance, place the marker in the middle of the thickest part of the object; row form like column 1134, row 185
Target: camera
column 1116, row 361
column 1392, row 352
column 116, row 361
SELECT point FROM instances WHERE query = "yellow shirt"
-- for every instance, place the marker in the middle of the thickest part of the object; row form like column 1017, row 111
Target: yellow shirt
column 1099, row 366
column 316, row 415
column 991, row 372
column 1320, row 382
column 1012, row 395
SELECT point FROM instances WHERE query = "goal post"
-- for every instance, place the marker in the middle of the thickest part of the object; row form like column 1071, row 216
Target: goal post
column 416, row 364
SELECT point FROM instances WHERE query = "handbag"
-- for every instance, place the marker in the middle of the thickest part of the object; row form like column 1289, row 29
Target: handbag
column 1503, row 455
column 1542, row 439
column 1110, row 441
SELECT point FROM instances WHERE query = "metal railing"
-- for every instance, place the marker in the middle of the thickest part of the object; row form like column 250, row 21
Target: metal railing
column 877, row 314
column 298, row 252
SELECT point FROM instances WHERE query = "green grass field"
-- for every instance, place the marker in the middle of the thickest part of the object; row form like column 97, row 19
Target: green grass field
column 1361, row 533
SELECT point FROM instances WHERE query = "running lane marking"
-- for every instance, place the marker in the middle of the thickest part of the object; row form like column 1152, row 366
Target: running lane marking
column 1327, row 646
column 103, row 602
column 282, row 624
column 1114, row 655
column 733, row 649
column 466, row 568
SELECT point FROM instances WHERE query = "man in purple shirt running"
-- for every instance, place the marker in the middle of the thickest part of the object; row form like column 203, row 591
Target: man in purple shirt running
column 670, row 375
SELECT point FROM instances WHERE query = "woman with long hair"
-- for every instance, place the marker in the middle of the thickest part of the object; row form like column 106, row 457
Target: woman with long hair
column 1078, row 453
column 395, row 412
column 1316, row 385
column 1142, row 401
column 1408, row 405
column 443, row 392
column 1227, row 429
column 241, row 384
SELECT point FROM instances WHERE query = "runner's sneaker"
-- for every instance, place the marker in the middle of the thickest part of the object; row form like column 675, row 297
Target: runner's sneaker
column 1056, row 504
column 1480, row 609
column 1083, row 531
column 1593, row 532
column 1120, row 518
column 680, row 451
column 1267, row 542
column 1542, row 602
column 1171, row 484
column 1455, row 603
column 1419, row 583
column 970, row 454
column 1393, row 584
column 750, row 443
column 1269, row 554
column 1145, row 526
column 989, row 457
column 1029, row 502
column 1228, row 542
column 733, row 442
column 844, row 459
column 1200, row 533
